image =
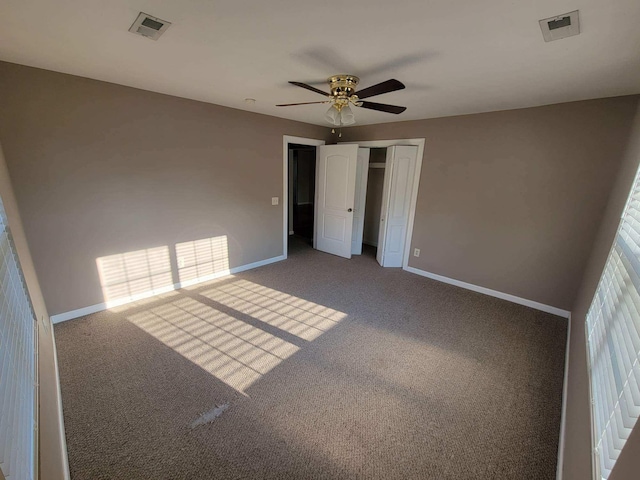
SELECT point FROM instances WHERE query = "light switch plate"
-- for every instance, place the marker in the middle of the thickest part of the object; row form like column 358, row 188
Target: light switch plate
column 275, row 200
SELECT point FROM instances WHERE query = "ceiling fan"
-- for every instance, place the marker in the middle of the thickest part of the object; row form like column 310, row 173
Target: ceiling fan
column 343, row 93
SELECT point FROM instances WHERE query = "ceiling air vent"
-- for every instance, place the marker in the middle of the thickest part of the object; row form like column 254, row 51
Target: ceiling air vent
column 562, row 26
column 148, row 26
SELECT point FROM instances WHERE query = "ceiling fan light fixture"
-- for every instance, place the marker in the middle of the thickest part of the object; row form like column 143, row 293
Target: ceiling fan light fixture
column 333, row 115
column 346, row 116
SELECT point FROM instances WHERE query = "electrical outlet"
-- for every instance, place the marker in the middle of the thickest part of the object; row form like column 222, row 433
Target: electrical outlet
column 275, row 200
column 416, row 252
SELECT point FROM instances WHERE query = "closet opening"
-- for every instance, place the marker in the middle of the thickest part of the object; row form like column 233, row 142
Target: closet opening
column 373, row 203
column 302, row 191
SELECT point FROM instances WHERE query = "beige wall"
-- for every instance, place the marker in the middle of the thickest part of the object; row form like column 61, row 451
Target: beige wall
column 512, row 200
column 51, row 443
column 100, row 169
column 577, row 454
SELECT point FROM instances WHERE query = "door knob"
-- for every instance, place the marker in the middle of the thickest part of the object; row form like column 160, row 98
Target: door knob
column 350, row 210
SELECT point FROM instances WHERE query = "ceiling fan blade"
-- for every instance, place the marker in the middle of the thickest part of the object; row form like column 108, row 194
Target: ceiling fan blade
column 380, row 88
column 304, row 103
column 309, row 87
column 383, row 107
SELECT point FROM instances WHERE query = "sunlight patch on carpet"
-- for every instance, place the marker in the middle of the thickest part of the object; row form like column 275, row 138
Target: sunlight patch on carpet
column 294, row 315
column 231, row 350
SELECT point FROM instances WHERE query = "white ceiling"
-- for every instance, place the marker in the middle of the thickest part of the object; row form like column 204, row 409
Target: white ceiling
column 455, row 56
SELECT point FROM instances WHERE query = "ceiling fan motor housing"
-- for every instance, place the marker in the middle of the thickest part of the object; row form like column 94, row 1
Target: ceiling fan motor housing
column 343, row 85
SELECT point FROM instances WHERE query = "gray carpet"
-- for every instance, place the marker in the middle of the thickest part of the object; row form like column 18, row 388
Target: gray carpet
column 315, row 367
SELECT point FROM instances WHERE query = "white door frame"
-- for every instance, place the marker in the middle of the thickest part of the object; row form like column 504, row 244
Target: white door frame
column 286, row 140
column 419, row 142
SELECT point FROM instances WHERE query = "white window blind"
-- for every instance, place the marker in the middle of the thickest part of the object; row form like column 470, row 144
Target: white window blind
column 613, row 337
column 17, row 365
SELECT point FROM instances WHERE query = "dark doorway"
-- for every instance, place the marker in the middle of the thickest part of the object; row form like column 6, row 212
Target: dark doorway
column 302, row 190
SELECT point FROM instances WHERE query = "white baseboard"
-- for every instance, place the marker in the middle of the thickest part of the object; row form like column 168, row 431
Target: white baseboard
column 563, row 418
column 372, row 244
column 488, row 291
column 291, row 232
column 231, row 271
column 63, row 439
column 81, row 312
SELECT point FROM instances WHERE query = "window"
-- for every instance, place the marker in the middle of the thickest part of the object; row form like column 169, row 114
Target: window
column 613, row 338
column 17, row 365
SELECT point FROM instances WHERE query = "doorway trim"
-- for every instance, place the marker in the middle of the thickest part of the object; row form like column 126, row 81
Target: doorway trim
column 286, row 140
column 419, row 142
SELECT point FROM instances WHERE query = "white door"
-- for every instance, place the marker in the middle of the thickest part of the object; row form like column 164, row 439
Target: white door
column 396, row 203
column 335, row 190
column 360, row 199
